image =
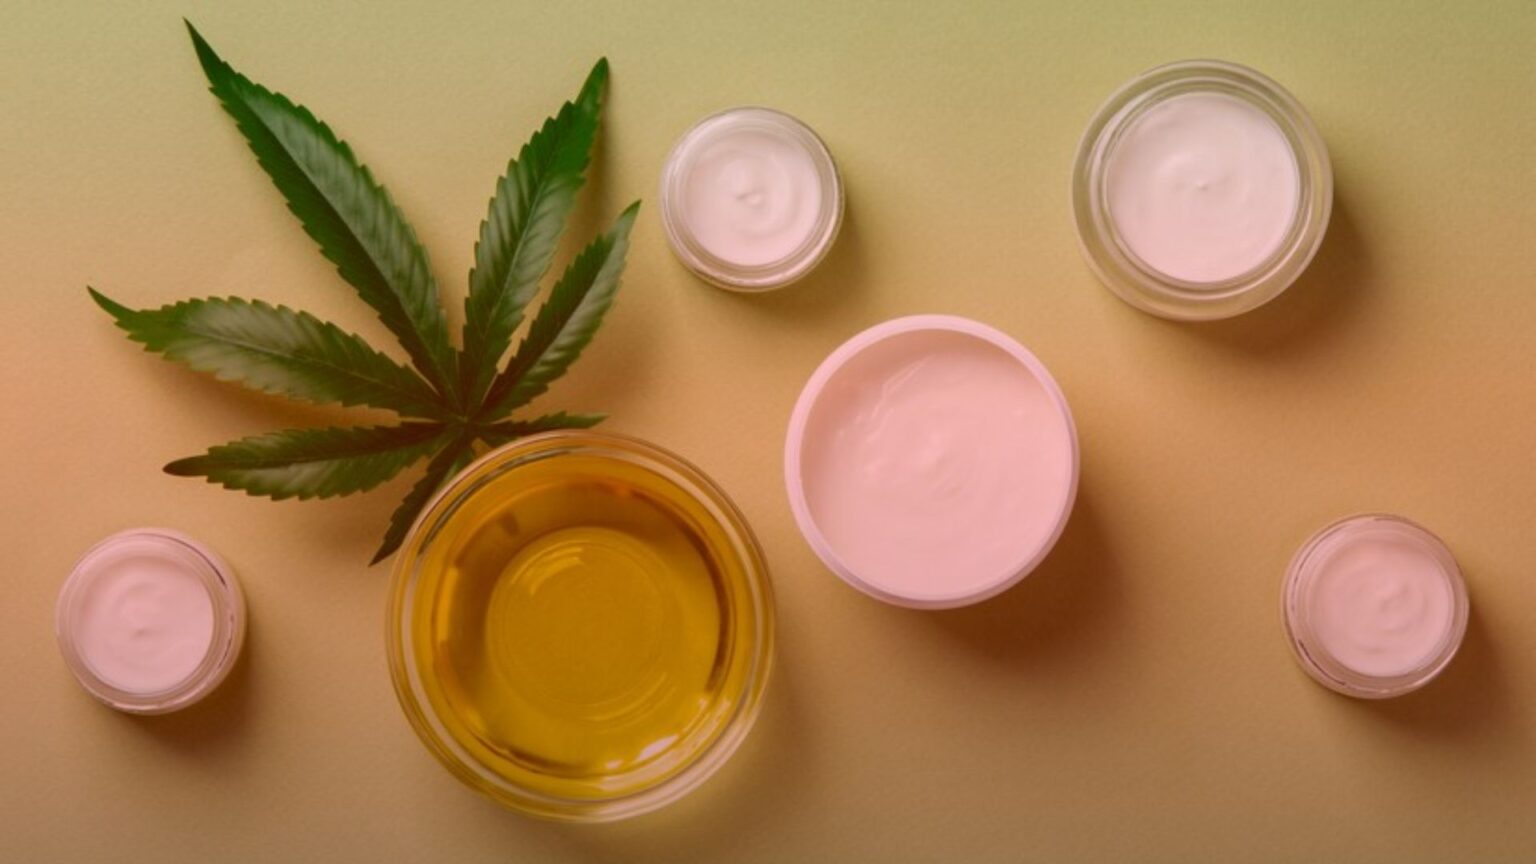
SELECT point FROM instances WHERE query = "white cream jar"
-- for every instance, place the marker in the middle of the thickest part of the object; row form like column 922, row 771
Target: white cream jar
column 751, row 199
column 1201, row 190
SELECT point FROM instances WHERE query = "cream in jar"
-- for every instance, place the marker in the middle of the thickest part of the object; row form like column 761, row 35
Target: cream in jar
column 1201, row 190
column 1202, row 187
column 931, row 461
column 751, row 199
column 150, row 621
column 1375, row 606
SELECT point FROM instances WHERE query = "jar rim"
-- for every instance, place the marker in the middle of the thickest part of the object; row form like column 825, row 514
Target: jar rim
column 417, row 705
column 1155, row 292
column 225, row 642
column 731, row 275
column 1315, row 659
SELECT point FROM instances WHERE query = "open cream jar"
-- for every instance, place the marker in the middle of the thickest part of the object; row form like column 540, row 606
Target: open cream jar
column 931, row 461
column 1374, row 606
column 150, row 621
column 1201, row 190
column 751, row 199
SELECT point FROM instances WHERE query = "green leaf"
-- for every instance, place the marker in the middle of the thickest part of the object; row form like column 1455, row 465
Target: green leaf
column 357, row 225
column 313, row 463
column 276, row 350
column 444, row 465
column 522, row 230
column 359, row 228
column 500, row 433
column 565, row 323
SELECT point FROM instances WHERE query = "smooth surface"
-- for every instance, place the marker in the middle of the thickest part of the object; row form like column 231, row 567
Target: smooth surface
column 143, row 621
column 751, row 194
column 928, row 462
column 1132, row 700
column 1380, row 606
column 1202, row 187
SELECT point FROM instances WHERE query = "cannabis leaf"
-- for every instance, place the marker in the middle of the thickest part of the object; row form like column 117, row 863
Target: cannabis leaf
column 313, row 463
column 461, row 398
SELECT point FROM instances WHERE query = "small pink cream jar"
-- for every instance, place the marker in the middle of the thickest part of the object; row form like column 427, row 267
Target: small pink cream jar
column 1374, row 606
column 150, row 621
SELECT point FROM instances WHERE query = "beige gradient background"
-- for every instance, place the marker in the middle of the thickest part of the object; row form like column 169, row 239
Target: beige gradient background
column 1133, row 700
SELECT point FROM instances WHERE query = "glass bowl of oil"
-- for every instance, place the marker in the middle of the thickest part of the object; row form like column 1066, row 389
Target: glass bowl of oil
column 581, row 626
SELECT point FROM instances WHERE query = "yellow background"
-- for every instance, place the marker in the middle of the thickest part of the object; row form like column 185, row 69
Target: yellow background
column 1133, row 700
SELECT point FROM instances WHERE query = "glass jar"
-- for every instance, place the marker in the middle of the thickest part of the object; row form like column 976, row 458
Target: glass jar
column 1147, row 288
column 776, row 194
column 1318, row 621
column 169, row 552
column 580, row 626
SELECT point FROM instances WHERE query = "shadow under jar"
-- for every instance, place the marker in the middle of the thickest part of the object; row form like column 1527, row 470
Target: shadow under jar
column 1201, row 190
column 581, row 626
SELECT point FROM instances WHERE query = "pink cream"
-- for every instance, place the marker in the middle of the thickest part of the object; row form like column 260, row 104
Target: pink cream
column 1374, row 606
column 931, row 461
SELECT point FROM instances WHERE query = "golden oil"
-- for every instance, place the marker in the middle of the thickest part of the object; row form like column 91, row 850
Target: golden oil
column 585, row 626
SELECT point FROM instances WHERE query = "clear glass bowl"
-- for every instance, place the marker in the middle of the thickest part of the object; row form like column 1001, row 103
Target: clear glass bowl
column 1144, row 287
column 418, row 658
